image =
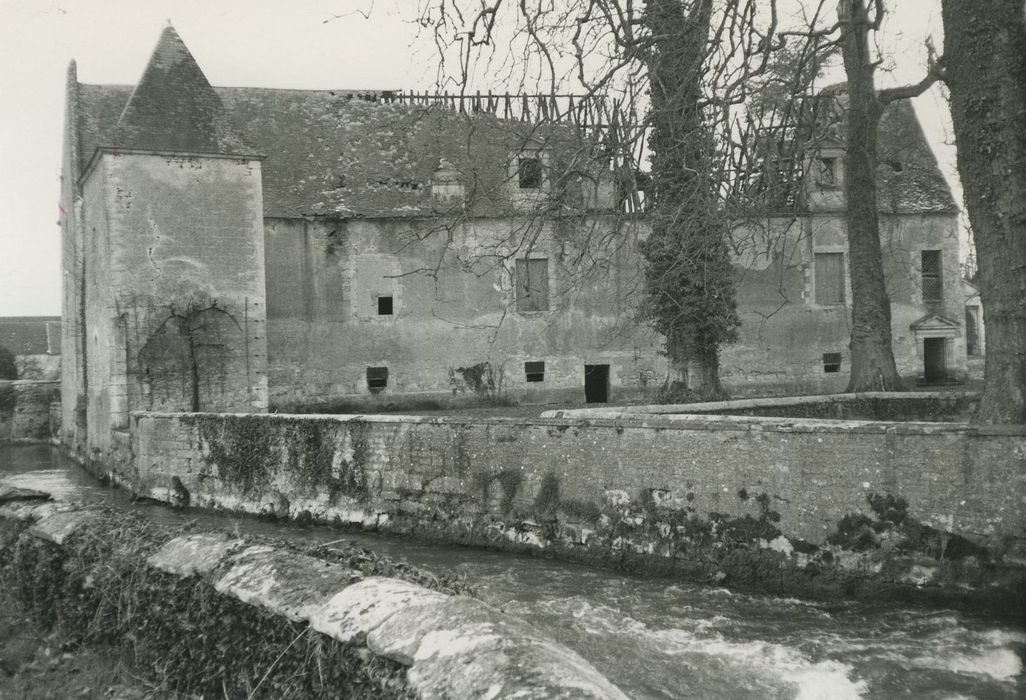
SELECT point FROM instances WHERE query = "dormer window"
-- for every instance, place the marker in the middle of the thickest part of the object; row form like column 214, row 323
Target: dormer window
column 529, row 172
column 826, row 172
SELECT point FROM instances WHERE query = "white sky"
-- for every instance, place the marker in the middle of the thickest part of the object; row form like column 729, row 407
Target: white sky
column 264, row 43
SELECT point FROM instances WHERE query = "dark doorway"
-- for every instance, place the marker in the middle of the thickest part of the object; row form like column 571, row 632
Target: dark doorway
column 933, row 361
column 596, row 383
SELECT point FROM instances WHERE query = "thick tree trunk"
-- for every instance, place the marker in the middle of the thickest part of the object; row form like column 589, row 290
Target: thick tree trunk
column 985, row 70
column 689, row 278
column 872, row 359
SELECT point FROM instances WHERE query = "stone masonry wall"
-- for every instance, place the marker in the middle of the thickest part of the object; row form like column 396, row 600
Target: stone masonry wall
column 454, row 327
column 794, row 506
column 25, row 410
column 963, row 480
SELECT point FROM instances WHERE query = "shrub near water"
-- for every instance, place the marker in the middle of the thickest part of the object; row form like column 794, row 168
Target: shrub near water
column 180, row 634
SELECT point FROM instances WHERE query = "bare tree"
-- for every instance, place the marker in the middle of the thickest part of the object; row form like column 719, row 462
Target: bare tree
column 680, row 80
column 872, row 363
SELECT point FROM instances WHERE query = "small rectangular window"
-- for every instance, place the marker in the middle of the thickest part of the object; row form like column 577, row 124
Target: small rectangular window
column 831, row 362
column 384, row 306
column 972, row 331
column 933, row 289
column 529, row 172
column 829, row 278
column 826, row 172
column 377, row 378
column 535, row 371
column 532, row 284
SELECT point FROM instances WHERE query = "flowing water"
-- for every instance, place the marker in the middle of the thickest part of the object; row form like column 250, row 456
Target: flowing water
column 659, row 639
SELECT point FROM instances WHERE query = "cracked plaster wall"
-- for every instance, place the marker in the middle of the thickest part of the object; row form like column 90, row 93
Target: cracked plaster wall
column 784, row 332
column 162, row 232
column 453, row 307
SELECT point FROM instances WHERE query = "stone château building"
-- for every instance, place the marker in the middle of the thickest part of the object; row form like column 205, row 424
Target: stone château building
column 239, row 249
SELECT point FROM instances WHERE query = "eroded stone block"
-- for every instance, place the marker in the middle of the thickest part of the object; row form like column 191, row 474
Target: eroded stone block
column 478, row 663
column 399, row 636
column 59, row 526
column 293, row 585
column 352, row 613
column 194, row 554
column 10, row 494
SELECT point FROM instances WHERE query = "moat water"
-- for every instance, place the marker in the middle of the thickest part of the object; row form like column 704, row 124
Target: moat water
column 659, row 639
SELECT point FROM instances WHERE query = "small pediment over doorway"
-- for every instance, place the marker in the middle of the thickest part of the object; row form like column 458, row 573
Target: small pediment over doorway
column 935, row 325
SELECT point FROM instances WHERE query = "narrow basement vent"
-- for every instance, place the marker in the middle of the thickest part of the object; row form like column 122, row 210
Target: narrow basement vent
column 535, row 371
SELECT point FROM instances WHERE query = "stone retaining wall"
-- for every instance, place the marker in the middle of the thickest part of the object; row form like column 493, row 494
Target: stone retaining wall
column 965, row 480
column 453, row 646
column 789, row 505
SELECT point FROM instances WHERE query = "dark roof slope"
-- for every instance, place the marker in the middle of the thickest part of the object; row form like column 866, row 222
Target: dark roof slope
column 329, row 152
column 907, row 175
column 31, row 335
column 174, row 108
column 908, row 178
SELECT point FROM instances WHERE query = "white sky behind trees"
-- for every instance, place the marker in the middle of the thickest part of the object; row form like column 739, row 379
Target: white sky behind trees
column 307, row 44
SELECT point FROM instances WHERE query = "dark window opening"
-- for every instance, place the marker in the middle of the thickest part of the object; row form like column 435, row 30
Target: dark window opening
column 934, row 367
column 596, row 383
column 532, row 284
column 535, row 371
column 826, row 172
column 529, row 172
column 972, row 332
column 384, row 306
column 829, row 278
column 831, row 362
column 377, row 378
column 896, row 165
column 933, row 290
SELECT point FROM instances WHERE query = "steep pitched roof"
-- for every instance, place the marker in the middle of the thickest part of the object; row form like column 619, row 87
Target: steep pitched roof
column 174, row 108
column 334, row 153
column 908, row 178
column 907, row 174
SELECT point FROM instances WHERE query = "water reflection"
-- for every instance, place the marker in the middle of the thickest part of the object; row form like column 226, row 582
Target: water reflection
column 658, row 639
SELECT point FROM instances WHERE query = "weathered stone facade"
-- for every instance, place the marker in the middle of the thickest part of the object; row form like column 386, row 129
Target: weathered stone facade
column 234, row 248
column 457, row 330
column 163, row 260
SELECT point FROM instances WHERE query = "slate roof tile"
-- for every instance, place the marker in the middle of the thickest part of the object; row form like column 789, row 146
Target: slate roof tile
column 174, row 108
column 335, row 153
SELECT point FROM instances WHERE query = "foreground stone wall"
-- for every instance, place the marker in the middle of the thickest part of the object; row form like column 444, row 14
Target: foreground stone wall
column 965, row 480
column 450, row 646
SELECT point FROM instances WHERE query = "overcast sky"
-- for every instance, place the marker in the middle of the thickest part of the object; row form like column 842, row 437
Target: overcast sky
column 313, row 44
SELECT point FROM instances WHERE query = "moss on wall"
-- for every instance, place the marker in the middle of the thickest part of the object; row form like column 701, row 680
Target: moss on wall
column 248, row 454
